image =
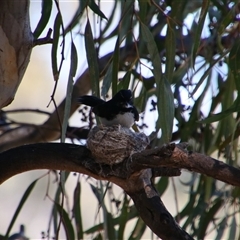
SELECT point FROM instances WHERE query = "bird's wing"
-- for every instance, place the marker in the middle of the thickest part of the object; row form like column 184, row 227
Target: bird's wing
column 135, row 113
column 91, row 101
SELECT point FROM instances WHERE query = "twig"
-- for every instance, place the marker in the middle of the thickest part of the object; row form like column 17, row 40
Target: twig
column 45, row 40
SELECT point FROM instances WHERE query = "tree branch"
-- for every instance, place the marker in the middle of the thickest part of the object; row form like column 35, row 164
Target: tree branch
column 132, row 175
column 45, row 40
column 172, row 156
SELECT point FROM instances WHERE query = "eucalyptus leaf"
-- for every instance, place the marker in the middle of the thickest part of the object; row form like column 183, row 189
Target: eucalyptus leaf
column 46, row 13
column 92, row 59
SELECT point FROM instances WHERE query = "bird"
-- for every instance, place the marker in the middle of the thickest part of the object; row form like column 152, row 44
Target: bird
column 117, row 111
column 20, row 235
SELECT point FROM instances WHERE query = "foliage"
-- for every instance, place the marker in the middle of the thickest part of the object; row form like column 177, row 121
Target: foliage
column 180, row 57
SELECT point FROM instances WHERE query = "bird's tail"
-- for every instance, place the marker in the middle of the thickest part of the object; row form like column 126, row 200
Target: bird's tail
column 91, row 101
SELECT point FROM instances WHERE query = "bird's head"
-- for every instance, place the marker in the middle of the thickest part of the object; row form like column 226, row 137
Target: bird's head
column 124, row 98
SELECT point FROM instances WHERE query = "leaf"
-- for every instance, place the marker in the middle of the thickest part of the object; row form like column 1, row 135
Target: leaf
column 75, row 19
column 143, row 9
column 110, row 22
column 111, row 232
column 107, row 80
column 56, row 200
column 56, row 34
column 219, row 116
column 123, row 218
column 164, row 92
column 234, row 62
column 77, row 215
column 207, row 217
column 115, row 67
column 111, row 76
column 124, row 82
column 20, row 206
column 68, row 99
column 96, row 9
column 228, row 17
column 46, row 13
column 68, row 227
column 170, row 49
column 175, row 17
column 221, row 228
column 132, row 213
column 162, row 185
column 198, row 32
column 138, row 230
column 233, row 228
column 92, row 59
column 95, row 190
column 208, row 71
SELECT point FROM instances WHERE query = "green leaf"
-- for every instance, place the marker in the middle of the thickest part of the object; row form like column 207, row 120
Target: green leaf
column 46, row 13
column 110, row 22
column 221, row 228
column 77, row 16
column 219, row 116
column 54, row 212
column 68, row 227
column 111, row 232
column 233, row 228
column 132, row 213
column 207, row 217
column 143, row 10
column 164, row 92
column 234, row 62
column 96, row 9
column 124, row 82
column 92, row 59
column 198, row 32
column 207, row 71
column 228, row 17
column 56, row 33
column 138, row 230
column 170, row 49
column 162, row 185
column 115, row 66
column 123, row 218
column 107, row 81
column 20, row 206
column 77, row 215
column 111, row 76
column 68, row 99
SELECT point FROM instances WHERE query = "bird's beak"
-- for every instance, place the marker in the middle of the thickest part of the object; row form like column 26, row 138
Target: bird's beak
column 128, row 105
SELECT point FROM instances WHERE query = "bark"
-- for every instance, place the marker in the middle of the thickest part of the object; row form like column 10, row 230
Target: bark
column 15, row 47
column 133, row 175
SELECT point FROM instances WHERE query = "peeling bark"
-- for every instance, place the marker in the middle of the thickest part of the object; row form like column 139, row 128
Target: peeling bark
column 15, row 46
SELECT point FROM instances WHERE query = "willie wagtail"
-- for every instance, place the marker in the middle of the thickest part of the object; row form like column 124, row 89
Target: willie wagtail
column 118, row 110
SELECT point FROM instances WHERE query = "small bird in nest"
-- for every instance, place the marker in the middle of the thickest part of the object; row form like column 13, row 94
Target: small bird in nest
column 117, row 111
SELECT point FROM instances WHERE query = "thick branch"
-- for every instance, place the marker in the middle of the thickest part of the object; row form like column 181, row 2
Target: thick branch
column 156, row 216
column 177, row 157
column 134, row 175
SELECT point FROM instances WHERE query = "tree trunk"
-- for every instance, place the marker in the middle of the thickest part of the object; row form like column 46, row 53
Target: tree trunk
column 15, row 46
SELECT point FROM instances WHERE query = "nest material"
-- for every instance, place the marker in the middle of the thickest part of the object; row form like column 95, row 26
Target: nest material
column 111, row 145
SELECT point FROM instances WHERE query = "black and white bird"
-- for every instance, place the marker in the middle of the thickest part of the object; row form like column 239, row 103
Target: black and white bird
column 118, row 110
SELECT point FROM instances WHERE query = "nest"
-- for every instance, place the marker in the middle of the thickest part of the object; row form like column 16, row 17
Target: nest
column 111, row 145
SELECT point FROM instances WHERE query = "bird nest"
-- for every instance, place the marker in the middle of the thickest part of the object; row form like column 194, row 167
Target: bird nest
column 111, row 145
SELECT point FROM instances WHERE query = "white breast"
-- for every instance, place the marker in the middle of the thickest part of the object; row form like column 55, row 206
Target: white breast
column 125, row 120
